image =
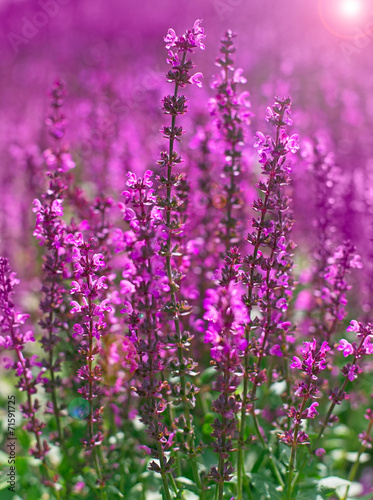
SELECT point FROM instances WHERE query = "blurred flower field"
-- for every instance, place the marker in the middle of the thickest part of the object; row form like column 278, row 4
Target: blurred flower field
column 186, row 250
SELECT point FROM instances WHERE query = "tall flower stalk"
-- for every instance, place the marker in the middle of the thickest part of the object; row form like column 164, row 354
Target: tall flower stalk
column 14, row 339
column 88, row 286
column 223, row 309
column 143, row 298
column 231, row 111
column 50, row 230
column 175, row 105
column 312, row 364
column 227, row 337
column 350, row 372
column 267, row 276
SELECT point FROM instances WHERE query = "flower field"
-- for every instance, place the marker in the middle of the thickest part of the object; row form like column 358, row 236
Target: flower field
column 186, row 250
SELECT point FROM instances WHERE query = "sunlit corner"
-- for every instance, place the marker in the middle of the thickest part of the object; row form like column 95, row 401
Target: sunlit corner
column 351, row 8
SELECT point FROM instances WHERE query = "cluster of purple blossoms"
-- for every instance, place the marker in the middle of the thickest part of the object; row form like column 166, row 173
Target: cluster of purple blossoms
column 89, row 313
column 227, row 337
column 51, row 230
column 223, row 308
column 231, row 113
column 331, row 300
column 13, row 338
column 267, row 268
column 145, row 284
column 324, row 172
column 172, row 184
column 358, row 350
column 313, row 363
column 173, row 270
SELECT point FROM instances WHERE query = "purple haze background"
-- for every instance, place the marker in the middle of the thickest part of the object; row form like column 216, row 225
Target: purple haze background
column 112, row 58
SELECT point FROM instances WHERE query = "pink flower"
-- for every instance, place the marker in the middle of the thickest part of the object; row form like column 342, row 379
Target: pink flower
column 320, row 452
column 147, row 182
column 56, row 208
column 282, row 304
column 196, row 78
column 76, row 307
column 37, row 206
column 127, row 287
column 353, row 327
column 131, row 179
column 104, row 306
column 275, row 350
column 98, row 261
column 127, row 308
column 237, row 76
column 78, row 487
column 170, row 38
column 356, row 262
column 101, row 283
column 346, row 347
column 311, row 411
column 297, row 363
column 211, row 337
column 29, row 336
column 293, row 143
column 78, row 330
column 75, row 287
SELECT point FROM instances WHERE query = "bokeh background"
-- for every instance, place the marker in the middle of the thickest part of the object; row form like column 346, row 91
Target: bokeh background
column 111, row 55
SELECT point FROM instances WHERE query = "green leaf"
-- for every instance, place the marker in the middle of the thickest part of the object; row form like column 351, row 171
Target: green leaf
column 3, row 485
column 207, row 429
column 309, row 494
column 285, row 452
column 115, row 490
column 3, row 457
column 208, row 375
column 259, row 461
column 184, row 482
column 265, row 487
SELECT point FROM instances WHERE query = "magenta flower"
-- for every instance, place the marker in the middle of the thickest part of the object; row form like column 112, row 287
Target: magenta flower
column 311, row 412
column 196, row 79
column 353, row 326
column 346, row 347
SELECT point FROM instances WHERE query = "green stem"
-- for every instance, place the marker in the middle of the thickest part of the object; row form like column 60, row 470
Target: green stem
column 295, row 445
column 163, row 472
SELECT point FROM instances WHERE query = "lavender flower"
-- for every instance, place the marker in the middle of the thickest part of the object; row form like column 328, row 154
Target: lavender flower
column 268, row 279
column 229, row 343
column 231, row 112
column 175, row 105
column 142, row 304
column 312, row 364
column 331, row 297
column 324, row 172
column 88, row 287
column 50, row 230
column 14, row 339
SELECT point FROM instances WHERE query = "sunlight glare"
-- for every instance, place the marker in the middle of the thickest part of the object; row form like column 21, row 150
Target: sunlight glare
column 351, row 8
